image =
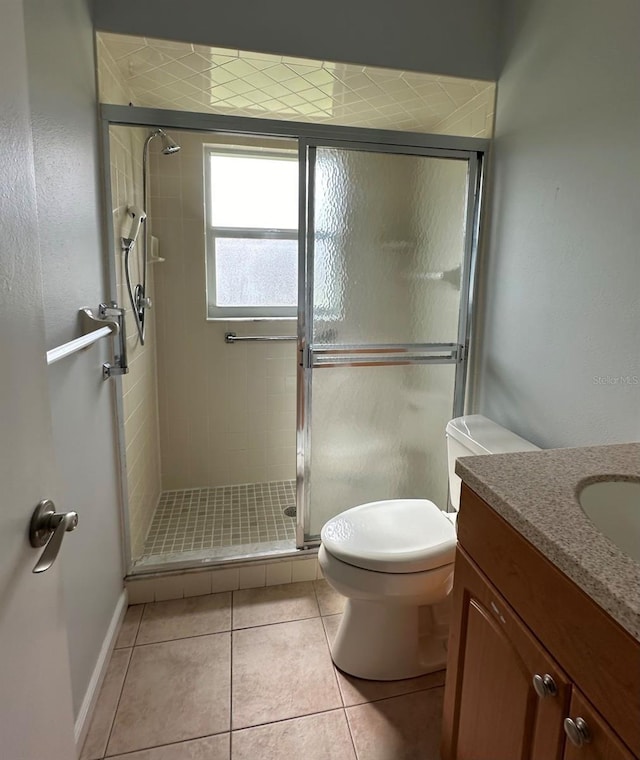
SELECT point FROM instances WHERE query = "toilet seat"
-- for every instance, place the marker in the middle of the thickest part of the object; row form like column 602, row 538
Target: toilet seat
column 393, row 536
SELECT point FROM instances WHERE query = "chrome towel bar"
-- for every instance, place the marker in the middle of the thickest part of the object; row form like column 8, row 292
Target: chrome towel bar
column 231, row 337
column 66, row 349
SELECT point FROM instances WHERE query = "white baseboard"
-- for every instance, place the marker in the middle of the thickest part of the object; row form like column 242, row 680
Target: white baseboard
column 97, row 677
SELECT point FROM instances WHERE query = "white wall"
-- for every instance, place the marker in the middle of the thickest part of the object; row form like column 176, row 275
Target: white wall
column 63, row 105
column 457, row 37
column 560, row 283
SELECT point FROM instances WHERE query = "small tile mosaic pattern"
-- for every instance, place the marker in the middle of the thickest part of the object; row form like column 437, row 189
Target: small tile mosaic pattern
column 226, row 516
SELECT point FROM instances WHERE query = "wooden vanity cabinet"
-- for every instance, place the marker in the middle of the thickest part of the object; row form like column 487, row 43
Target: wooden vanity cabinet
column 537, row 624
column 495, row 713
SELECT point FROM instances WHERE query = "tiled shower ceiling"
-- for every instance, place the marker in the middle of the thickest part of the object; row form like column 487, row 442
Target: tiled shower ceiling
column 180, row 76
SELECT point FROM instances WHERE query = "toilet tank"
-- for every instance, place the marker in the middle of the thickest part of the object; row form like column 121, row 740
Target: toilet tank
column 472, row 435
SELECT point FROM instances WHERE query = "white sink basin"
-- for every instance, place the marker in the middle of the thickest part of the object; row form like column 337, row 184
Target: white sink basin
column 614, row 508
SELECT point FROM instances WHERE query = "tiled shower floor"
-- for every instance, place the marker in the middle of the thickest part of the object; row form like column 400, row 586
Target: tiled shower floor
column 221, row 522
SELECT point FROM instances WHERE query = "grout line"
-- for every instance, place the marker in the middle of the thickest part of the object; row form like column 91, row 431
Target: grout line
column 284, row 720
column 182, row 638
column 115, row 712
column 353, row 741
column 326, row 638
column 277, row 622
column 390, row 696
column 333, row 666
column 132, row 752
column 135, row 638
column 315, row 592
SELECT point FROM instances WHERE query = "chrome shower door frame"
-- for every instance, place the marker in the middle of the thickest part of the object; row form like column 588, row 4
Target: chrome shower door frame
column 307, row 135
column 312, row 357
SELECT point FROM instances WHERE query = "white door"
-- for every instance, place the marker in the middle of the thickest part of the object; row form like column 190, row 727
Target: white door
column 36, row 717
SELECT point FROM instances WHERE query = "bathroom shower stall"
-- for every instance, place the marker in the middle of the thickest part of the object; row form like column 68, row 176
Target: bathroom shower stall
column 307, row 308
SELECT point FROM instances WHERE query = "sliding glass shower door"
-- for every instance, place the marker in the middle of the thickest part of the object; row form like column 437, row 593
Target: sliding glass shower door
column 386, row 272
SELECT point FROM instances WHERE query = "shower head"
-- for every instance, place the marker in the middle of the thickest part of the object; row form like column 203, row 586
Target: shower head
column 169, row 146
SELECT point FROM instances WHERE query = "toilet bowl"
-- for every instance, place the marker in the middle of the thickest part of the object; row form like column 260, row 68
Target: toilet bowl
column 393, row 561
column 376, row 556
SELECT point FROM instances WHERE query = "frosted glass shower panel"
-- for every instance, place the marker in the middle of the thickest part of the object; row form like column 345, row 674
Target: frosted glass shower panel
column 377, row 433
column 388, row 247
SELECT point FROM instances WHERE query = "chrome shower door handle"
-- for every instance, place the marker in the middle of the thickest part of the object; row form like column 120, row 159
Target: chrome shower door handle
column 47, row 529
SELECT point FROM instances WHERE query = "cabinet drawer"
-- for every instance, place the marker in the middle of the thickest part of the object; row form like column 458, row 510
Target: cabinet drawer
column 603, row 744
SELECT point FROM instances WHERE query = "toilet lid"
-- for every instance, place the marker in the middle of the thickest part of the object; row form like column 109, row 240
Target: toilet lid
column 395, row 536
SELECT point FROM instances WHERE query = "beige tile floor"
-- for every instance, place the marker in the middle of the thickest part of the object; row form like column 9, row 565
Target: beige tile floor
column 247, row 675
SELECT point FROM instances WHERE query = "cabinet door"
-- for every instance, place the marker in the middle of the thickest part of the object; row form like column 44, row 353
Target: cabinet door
column 492, row 711
column 603, row 744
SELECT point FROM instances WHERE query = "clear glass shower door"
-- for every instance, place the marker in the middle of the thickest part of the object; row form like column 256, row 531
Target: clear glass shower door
column 384, row 324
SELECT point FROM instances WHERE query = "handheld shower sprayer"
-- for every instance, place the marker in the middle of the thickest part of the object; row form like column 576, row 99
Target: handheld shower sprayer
column 137, row 216
column 140, row 302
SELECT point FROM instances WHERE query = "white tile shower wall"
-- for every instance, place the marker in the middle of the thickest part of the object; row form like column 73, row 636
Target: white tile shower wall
column 474, row 117
column 227, row 412
column 111, row 85
column 139, row 387
column 187, row 77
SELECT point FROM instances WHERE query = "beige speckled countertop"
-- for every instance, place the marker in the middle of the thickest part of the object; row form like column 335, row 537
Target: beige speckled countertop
column 536, row 492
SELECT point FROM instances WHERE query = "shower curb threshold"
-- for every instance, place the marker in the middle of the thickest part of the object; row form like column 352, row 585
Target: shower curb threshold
column 168, row 569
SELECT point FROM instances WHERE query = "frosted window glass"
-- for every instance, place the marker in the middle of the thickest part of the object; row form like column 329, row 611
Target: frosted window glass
column 256, row 272
column 389, row 238
column 249, row 191
column 378, row 433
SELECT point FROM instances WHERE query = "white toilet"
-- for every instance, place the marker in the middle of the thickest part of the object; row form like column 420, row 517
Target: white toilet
column 393, row 560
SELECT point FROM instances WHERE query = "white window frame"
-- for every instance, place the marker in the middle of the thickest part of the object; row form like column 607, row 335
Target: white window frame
column 215, row 312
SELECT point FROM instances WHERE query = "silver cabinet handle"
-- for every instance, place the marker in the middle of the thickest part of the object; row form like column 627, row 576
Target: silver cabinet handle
column 47, row 529
column 544, row 685
column 577, row 731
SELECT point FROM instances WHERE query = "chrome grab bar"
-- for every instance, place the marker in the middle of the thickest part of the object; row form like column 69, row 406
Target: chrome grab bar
column 108, row 321
column 231, row 337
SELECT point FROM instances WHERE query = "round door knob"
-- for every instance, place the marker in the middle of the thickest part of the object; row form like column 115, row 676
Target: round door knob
column 544, row 685
column 577, row 731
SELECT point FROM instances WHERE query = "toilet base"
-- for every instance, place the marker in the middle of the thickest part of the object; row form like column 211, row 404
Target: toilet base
column 380, row 642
